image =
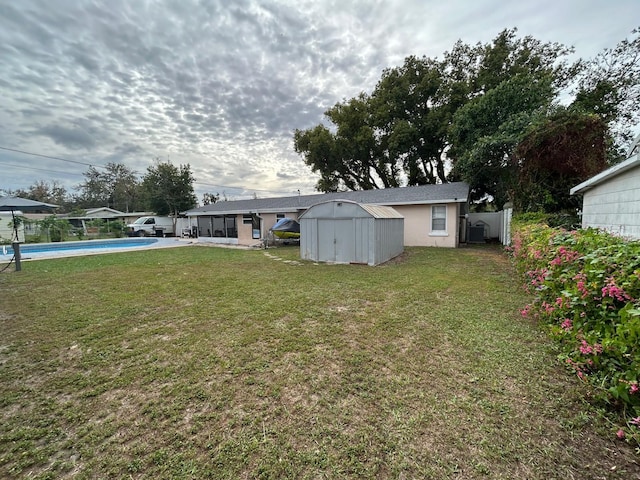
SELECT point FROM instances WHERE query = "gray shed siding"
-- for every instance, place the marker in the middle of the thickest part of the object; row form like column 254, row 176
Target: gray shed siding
column 347, row 232
column 614, row 205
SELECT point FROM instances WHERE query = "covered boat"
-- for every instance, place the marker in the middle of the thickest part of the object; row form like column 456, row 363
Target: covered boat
column 286, row 228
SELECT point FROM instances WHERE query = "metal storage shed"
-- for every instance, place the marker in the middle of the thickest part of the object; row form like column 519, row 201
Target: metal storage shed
column 342, row 231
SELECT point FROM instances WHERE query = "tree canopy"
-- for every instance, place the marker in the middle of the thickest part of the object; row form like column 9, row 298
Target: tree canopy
column 44, row 191
column 556, row 153
column 609, row 86
column 487, row 114
column 169, row 189
column 115, row 186
column 164, row 189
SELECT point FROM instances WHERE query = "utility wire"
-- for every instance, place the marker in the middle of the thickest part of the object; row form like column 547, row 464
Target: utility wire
column 101, row 166
column 50, row 157
column 243, row 188
column 40, row 169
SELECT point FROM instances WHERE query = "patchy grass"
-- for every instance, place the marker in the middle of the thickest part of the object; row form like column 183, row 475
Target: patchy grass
column 219, row 363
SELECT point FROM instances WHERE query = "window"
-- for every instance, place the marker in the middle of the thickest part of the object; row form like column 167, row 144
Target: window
column 255, row 228
column 218, row 226
column 279, row 216
column 254, row 220
column 230, row 226
column 439, row 218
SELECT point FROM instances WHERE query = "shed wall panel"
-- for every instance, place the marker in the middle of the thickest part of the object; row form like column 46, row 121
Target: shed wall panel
column 615, row 205
column 345, row 232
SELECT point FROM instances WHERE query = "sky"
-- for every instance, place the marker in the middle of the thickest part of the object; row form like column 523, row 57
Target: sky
column 222, row 85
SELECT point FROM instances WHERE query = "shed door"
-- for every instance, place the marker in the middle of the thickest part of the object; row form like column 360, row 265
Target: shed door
column 336, row 241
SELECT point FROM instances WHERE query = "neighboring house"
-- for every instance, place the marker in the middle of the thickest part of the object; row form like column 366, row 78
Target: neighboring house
column 7, row 230
column 101, row 213
column 433, row 214
column 611, row 199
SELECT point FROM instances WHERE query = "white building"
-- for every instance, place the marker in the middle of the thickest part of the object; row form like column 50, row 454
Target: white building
column 611, row 199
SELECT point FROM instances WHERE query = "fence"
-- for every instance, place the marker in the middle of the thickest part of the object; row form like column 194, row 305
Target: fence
column 497, row 225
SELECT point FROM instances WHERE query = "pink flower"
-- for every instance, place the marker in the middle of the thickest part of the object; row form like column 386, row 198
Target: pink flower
column 582, row 288
column 635, row 421
column 634, row 388
column 620, row 434
column 587, row 349
column 614, row 291
column 567, row 324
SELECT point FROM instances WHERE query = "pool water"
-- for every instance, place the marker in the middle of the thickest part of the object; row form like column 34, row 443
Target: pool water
column 59, row 249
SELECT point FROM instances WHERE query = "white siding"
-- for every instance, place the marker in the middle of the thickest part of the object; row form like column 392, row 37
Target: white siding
column 614, row 205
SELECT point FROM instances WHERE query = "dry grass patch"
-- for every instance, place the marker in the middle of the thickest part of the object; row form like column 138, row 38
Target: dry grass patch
column 221, row 363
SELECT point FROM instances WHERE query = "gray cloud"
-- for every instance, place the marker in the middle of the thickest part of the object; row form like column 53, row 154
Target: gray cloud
column 72, row 138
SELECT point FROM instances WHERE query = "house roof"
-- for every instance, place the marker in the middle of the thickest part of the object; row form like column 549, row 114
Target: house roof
column 607, row 174
column 25, row 205
column 103, row 213
column 456, row 192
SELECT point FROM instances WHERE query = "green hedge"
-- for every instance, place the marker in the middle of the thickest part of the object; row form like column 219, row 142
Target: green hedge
column 587, row 291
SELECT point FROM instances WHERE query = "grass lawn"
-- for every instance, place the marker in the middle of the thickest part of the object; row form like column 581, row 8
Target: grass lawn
column 203, row 362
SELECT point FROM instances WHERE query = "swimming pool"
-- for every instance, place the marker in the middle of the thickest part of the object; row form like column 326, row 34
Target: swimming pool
column 35, row 251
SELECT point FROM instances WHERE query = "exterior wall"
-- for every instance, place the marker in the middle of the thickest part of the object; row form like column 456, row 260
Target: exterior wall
column 614, row 205
column 388, row 239
column 7, row 233
column 417, row 226
column 245, row 232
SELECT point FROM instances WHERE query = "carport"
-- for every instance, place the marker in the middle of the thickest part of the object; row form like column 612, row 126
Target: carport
column 342, row 231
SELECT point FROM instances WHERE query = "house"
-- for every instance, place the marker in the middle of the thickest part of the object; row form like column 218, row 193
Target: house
column 101, row 213
column 8, row 230
column 433, row 214
column 611, row 199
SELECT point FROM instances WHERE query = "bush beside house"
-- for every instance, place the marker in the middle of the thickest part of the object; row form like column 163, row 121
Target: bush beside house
column 587, row 291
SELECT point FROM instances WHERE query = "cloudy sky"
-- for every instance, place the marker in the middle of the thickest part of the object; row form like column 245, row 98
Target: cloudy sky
column 222, row 84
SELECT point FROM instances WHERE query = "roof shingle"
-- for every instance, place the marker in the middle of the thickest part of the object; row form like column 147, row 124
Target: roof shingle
column 457, row 192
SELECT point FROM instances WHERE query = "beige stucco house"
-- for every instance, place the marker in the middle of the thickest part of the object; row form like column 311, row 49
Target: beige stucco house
column 433, row 214
column 611, row 199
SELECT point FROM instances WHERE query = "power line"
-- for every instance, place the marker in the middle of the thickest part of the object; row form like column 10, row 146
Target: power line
column 24, row 152
column 40, row 169
column 240, row 188
column 50, row 157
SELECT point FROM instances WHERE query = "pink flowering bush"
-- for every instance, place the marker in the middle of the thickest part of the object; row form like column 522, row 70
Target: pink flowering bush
column 586, row 287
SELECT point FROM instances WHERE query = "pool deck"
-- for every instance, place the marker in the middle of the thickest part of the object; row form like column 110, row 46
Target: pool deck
column 161, row 243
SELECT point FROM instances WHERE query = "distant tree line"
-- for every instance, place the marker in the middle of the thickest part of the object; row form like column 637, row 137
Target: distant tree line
column 165, row 189
column 488, row 114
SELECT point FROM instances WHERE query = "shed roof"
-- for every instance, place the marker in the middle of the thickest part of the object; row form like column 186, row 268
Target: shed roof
column 376, row 211
column 456, row 192
column 607, row 174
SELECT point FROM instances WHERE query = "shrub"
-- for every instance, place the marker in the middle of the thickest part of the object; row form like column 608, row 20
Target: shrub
column 57, row 228
column 587, row 291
